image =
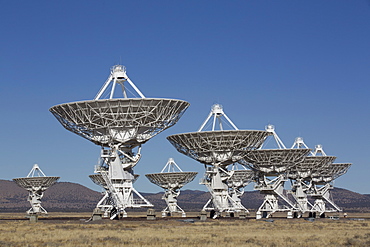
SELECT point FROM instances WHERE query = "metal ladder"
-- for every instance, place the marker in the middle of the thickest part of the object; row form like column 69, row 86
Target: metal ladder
column 116, row 201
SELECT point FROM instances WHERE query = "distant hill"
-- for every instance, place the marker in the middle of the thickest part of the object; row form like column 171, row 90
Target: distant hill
column 351, row 201
column 63, row 196
column 72, row 197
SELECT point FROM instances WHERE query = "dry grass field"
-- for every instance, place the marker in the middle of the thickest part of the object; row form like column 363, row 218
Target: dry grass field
column 72, row 230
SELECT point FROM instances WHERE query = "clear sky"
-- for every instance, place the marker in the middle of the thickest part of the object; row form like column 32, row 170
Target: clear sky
column 303, row 66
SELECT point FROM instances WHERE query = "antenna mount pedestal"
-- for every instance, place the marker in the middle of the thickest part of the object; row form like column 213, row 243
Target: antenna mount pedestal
column 120, row 126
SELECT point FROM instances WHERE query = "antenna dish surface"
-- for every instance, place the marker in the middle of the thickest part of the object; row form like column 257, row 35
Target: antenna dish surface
column 212, row 147
column 131, row 121
column 171, row 180
column 338, row 169
column 331, row 172
column 310, row 165
column 30, row 183
column 274, row 160
column 241, row 176
column 99, row 180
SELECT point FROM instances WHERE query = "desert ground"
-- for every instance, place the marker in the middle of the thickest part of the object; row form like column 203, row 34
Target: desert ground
column 72, row 229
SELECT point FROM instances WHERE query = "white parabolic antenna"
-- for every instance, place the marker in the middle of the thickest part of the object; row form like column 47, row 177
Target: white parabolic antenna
column 119, row 125
column 309, row 166
column 36, row 183
column 171, row 179
column 313, row 177
column 330, row 172
column 322, row 184
column 217, row 149
column 271, row 167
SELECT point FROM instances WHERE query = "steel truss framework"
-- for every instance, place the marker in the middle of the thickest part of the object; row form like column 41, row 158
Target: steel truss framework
column 36, row 186
column 120, row 126
column 171, row 181
column 217, row 149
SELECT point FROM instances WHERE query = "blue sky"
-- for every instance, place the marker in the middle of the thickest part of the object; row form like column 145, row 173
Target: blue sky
column 300, row 65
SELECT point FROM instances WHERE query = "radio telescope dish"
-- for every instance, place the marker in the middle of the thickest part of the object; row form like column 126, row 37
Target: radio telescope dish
column 99, row 180
column 36, row 183
column 339, row 169
column 129, row 122
column 220, row 148
column 274, row 161
column 330, row 172
column 241, row 177
column 322, row 184
column 119, row 125
column 217, row 149
column 172, row 181
column 310, row 165
column 302, row 176
column 313, row 177
column 271, row 167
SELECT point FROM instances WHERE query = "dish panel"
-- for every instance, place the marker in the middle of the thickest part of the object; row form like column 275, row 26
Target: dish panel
column 223, row 147
column 241, row 175
column 330, row 172
column 98, row 179
column 310, row 165
column 36, row 183
column 128, row 121
column 171, row 179
column 273, row 161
